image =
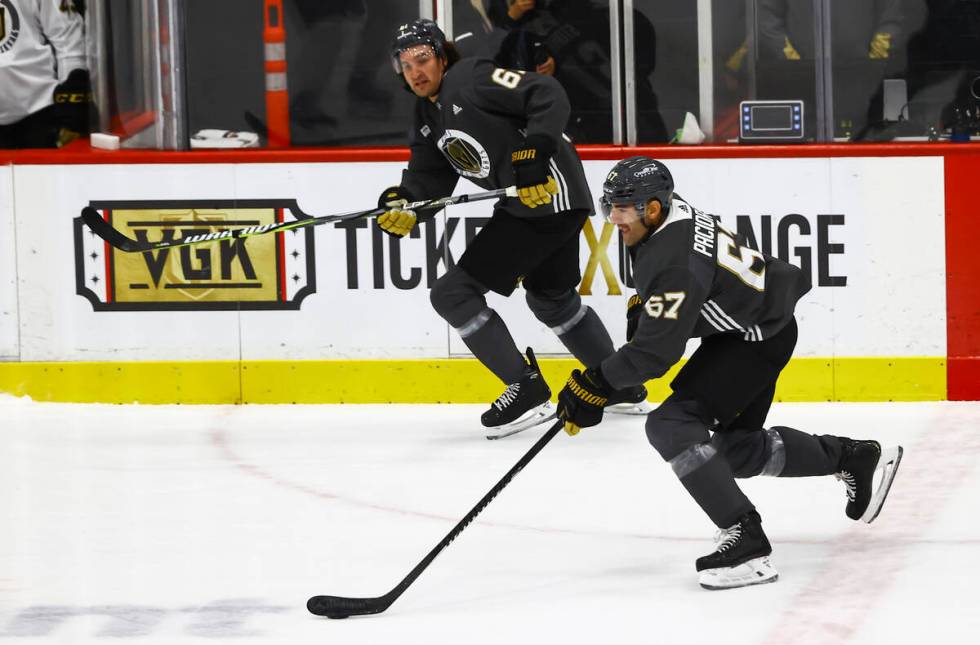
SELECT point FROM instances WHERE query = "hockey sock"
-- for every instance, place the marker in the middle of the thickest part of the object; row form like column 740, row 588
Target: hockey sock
column 809, row 455
column 493, row 346
column 588, row 340
column 712, row 485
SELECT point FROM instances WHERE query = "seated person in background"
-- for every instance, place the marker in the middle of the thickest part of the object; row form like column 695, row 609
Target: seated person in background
column 46, row 96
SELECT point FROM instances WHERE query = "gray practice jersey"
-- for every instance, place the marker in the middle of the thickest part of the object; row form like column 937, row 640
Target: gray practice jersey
column 41, row 42
column 696, row 279
column 482, row 115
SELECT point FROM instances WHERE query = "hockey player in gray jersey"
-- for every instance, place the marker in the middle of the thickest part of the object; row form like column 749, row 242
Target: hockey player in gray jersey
column 499, row 128
column 695, row 279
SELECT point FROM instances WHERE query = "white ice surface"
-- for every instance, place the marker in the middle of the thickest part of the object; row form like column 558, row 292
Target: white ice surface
column 168, row 524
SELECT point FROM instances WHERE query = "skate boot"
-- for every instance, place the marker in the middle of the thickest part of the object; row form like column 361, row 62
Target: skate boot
column 741, row 557
column 859, row 461
column 629, row 400
column 523, row 404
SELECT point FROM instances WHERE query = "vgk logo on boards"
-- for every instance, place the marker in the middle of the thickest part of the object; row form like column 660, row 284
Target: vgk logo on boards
column 273, row 271
column 9, row 25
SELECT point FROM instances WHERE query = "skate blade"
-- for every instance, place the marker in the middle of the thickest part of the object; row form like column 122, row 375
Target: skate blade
column 888, row 465
column 758, row 571
column 534, row 416
column 642, row 407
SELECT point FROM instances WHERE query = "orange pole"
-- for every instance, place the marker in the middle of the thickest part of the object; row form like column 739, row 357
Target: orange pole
column 276, row 96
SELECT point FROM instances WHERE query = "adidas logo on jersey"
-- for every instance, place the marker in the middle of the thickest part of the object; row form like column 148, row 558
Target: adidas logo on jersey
column 456, row 109
column 425, row 130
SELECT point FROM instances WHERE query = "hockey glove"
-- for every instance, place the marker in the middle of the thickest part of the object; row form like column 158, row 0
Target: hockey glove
column 789, row 51
column 397, row 222
column 581, row 401
column 72, row 99
column 880, row 46
column 534, row 185
column 634, row 307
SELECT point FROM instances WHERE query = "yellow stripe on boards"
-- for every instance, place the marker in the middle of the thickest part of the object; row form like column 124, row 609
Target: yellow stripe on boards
column 421, row 381
column 128, row 382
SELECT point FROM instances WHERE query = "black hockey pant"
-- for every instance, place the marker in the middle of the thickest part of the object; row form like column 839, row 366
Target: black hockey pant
column 727, row 387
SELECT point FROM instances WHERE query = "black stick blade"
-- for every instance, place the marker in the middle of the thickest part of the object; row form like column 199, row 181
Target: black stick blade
column 340, row 607
column 104, row 230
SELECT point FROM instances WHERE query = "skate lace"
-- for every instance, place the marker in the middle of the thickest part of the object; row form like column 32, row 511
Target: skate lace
column 508, row 397
column 849, row 484
column 727, row 538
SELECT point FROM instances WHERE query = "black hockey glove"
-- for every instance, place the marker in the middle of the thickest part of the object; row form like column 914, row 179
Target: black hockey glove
column 72, row 100
column 397, row 221
column 534, row 185
column 581, row 401
column 634, row 307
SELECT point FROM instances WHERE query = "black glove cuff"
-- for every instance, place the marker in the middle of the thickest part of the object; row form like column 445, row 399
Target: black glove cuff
column 530, row 162
column 594, row 374
column 537, row 149
column 393, row 194
column 75, row 87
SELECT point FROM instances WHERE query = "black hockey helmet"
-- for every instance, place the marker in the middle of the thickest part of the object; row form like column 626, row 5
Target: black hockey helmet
column 636, row 181
column 419, row 32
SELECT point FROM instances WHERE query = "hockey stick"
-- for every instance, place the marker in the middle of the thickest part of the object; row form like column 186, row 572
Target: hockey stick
column 103, row 229
column 342, row 607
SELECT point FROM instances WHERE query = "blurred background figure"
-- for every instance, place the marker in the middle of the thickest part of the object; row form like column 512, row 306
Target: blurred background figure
column 335, row 50
column 473, row 31
column 864, row 38
column 942, row 72
column 569, row 39
column 731, row 64
column 521, row 47
column 44, row 82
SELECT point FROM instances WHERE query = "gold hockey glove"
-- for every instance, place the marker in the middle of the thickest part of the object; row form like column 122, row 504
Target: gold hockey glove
column 534, row 185
column 581, row 401
column 397, row 221
column 881, row 44
column 789, row 51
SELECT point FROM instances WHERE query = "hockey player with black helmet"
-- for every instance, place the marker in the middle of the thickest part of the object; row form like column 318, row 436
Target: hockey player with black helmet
column 695, row 279
column 499, row 127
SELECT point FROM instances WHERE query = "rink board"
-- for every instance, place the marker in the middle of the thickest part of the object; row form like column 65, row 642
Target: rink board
column 8, row 268
column 872, row 328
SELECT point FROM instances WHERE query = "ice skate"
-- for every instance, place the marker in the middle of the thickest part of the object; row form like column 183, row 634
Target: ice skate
column 860, row 461
column 629, row 400
column 741, row 557
column 522, row 405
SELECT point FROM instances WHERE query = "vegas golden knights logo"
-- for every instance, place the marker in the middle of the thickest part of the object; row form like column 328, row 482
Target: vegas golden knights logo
column 465, row 153
column 9, row 26
column 462, row 155
column 274, row 271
